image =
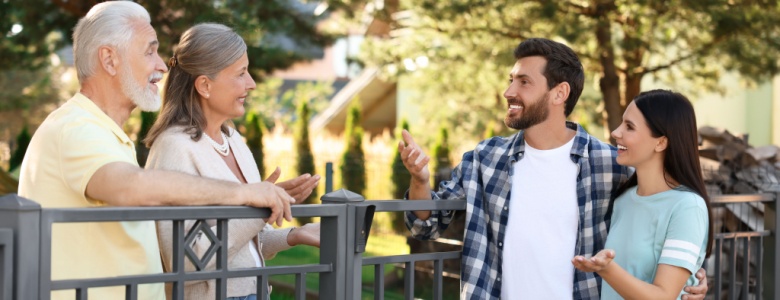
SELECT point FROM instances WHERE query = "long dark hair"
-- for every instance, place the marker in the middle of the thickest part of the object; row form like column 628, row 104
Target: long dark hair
column 671, row 114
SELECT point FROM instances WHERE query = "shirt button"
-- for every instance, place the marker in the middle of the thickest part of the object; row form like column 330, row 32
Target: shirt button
column 506, row 207
column 499, row 279
column 500, row 244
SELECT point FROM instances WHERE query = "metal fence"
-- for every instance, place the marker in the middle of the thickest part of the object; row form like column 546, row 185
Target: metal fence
column 743, row 264
column 345, row 225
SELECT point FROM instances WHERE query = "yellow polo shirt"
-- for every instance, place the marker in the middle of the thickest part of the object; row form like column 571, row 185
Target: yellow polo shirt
column 70, row 145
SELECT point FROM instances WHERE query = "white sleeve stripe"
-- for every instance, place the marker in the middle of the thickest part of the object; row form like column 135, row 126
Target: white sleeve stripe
column 687, row 257
column 684, row 245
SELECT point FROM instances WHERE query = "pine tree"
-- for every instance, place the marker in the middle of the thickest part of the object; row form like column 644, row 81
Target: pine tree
column 441, row 157
column 353, row 170
column 141, row 152
column 305, row 163
column 22, row 141
column 254, row 128
column 401, row 179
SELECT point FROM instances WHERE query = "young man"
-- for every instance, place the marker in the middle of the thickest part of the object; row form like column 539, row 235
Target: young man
column 80, row 157
column 534, row 199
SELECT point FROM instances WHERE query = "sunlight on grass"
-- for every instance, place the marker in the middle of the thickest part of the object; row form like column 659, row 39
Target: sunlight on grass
column 378, row 245
column 386, row 244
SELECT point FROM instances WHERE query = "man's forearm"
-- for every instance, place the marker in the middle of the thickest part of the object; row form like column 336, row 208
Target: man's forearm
column 122, row 184
column 174, row 188
column 420, row 191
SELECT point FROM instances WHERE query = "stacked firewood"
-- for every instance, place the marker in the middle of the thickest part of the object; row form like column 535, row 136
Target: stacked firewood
column 732, row 166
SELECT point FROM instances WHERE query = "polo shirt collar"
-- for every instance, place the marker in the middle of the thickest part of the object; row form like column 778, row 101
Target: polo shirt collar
column 106, row 121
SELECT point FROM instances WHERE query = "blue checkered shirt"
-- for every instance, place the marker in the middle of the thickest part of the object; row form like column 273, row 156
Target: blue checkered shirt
column 484, row 178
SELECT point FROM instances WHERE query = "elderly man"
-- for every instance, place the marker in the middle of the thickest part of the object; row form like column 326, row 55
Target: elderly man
column 81, row 157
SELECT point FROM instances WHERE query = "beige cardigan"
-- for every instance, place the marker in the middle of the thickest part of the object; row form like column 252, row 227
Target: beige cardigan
column 174, row 150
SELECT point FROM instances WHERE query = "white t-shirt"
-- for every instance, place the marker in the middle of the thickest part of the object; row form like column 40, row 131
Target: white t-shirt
column 541, row 231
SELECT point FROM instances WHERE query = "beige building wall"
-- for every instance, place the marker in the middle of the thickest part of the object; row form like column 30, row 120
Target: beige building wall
column 775, row 129
column 742, row 109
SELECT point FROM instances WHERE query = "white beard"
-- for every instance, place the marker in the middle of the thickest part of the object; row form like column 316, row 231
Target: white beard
column 143, row 97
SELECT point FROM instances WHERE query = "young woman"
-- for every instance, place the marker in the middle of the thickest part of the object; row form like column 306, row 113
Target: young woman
column 660, row 231
column 206, row 88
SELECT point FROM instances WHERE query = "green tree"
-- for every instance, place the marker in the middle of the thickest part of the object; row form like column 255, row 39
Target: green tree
column 254, row 129
column 441, row 157
column 141, row 152
column 305, row 158
column 686, row 44
column 353, row 169
column 22, row 141
column 36, row 28
column 401, row 178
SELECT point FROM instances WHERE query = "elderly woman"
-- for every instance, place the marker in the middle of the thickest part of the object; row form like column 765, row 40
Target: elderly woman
column 206, row 88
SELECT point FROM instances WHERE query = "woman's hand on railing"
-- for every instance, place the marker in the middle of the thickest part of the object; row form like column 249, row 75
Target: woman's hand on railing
column 268, row 195
column 299, row 187
column 308, row 234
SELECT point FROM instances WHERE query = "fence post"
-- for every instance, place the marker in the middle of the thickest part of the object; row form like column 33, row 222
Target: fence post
column 355, row 232
column 23, row 217
column 772, row 244
column 328, row 177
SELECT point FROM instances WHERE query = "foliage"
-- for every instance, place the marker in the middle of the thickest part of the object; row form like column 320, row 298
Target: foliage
column 442, row 166
column 278, row 33
column 254, row 129
column 279, row 106
column 490, row 131
column 353, row 169
column 459, row 52
column 401, row 179
column 141, row 152
column 27, row 97
column 32, row 30
column 305, row 157
column 7, row 183
column 22, row 141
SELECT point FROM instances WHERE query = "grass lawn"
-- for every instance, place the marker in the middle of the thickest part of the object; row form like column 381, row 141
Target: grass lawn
column 378, row 245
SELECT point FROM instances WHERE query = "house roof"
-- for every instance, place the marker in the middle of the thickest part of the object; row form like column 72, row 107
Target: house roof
column 377, row 99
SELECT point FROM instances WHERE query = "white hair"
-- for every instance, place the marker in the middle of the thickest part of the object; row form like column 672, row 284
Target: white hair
column 108, row 23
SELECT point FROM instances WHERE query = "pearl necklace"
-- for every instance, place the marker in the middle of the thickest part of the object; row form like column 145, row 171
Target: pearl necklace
column 224, row 148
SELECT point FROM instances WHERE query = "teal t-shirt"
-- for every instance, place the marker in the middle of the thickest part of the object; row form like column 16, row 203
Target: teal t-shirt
column 665, row 228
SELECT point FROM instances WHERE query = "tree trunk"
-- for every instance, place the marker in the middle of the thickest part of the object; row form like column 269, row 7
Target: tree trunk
column 609, row 81
column 633, row 88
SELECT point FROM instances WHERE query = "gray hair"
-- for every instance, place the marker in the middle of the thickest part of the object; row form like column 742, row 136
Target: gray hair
column 205, row 49
column 108, row 23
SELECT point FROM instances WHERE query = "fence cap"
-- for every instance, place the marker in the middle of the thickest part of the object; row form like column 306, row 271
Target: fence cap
column 342, row 196
column 15, row 202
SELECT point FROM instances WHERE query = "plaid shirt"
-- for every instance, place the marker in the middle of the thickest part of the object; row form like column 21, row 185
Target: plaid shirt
column 483, row 178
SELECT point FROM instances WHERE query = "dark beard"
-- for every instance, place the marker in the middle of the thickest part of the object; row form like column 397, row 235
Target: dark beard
column 532, row 115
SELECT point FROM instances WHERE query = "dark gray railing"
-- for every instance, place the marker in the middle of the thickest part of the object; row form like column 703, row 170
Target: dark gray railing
column 743, row 265
column 345, row 224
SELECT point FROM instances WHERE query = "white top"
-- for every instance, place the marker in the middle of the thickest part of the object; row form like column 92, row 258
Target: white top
column 541, row 231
